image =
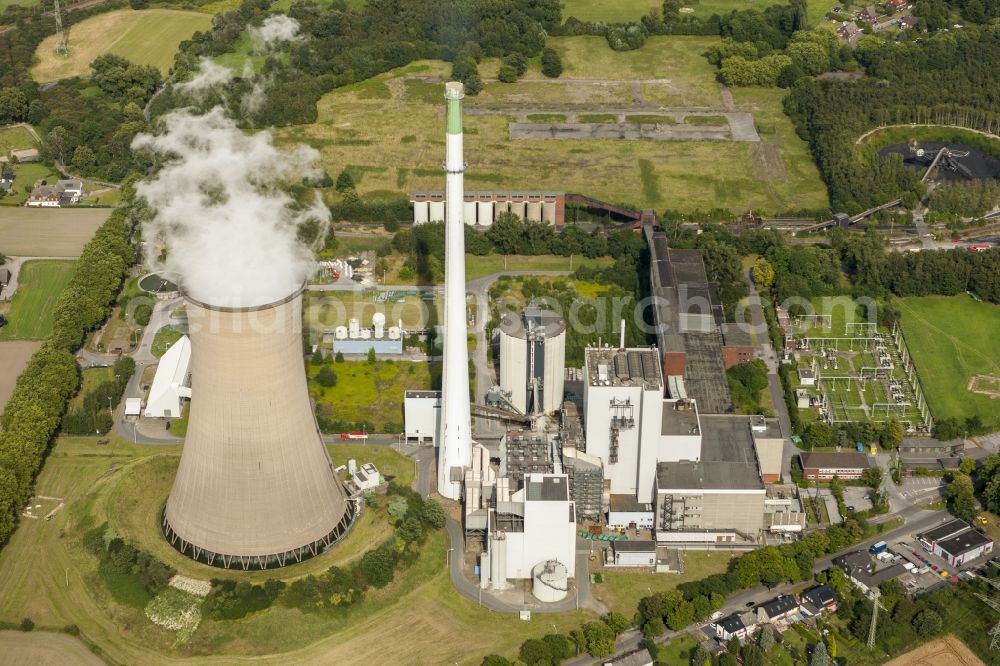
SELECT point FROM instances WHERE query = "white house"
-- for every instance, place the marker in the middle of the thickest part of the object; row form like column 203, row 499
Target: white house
column 169, row 382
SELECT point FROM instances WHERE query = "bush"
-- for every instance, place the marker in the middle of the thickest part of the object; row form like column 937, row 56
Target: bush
column 326, row 377
column 27, row 624
column 507, row 74
column 71, row 629
column 377, row 565
column 534, row 651
column 552, row 65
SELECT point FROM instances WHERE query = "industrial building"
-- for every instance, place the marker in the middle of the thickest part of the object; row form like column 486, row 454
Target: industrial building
column 422, row 416
column 352, row 339
column 623, row 416
column 533, row 360
column 169, row 385
column 718, row 499
column 482, row 208
column 524, row 452
column 769, row 446
column 824, row 465
column 632, row 554
column 586, row 472
column 255, row 486
column 696, row 342
column 956, row 542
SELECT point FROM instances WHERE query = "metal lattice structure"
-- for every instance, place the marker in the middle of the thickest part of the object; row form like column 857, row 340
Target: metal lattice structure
column 63, row 46
column 876, row 606
column 995, row 605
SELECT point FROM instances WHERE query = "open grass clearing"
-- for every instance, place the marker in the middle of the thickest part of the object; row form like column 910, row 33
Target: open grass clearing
column 621, row 590
column 649, row 119
column 546, row 118
column 354, row 128
column 164, row 339
column 329, row 309
column 369, row 393
column 952, row 340
column 14, row 357
column 33, row 307
column 15, row 138
column 597, row 118
column 816, row 9
column 440, row 625
column 44, row 648
column 619, row 11
column 47, row 232
column 145, row 37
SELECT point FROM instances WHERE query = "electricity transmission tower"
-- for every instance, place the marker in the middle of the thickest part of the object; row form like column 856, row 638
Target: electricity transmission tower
column 876, row 605
column 63, row 47
column 995, row 605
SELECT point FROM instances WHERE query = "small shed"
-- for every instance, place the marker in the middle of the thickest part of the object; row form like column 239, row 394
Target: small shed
column 133, row 406
column 633, row 553
column 4, row 276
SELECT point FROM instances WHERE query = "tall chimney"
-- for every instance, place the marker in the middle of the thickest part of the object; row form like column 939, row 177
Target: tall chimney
column 455, row 440
column 621, row 345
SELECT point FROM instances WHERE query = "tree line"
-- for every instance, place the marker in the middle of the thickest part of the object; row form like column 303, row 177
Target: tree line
column 34, row 413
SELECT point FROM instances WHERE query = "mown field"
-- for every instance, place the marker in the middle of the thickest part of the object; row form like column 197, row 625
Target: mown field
column 14, row 357
column 15, row 138
column 391, row 129
column 372, row 393
column 953, row 339
column 438, row 625
column 48, row 232
column 146, row 37
column 31, row 310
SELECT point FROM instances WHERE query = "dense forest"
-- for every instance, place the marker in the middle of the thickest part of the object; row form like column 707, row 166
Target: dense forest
column 947, row 78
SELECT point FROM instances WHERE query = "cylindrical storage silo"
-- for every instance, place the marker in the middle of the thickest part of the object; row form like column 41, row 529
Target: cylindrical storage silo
column 436, row 211
column 533, row 346
column 498, row 561
column 394, row 333
column 378, row 323
column 550, row 581
column 469, row 212
column 518, row 208
column 500, row 207
column 421, row 209
column 555, row 367
column 340, row 333
column 534, row 212
column 353, row 328
column 485, row 209
column 513, row 360
column 255, row 486
column 366, row 334
column 549, row 212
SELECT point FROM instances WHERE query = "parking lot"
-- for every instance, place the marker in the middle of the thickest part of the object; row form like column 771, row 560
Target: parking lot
column 856, row 496
column 922, row 488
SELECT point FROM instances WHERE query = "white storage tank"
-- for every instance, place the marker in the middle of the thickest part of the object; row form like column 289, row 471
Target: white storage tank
column 500, row 207
column 534, row 211
column 366, row 334
column 420, row 211
column 340, row 332
column 354, row 328
column 498, row 561
column 394, row 333
column 436, row 211
column 469, row 212
column 485, row 216
column 533, row 346
column 518, row 208
column 549, row 212
column 378, row 321
column 550, row 581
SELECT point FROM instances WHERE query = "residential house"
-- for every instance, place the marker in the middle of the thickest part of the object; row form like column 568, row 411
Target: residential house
column 820, row 599
column 868, row 14
column 858, row 567
column 44, row 196
column 26, row 155
column 71, row 189
column 637, row 658
column 733, row 626
column 778, row 611
column 897, row 5
column 908, row 22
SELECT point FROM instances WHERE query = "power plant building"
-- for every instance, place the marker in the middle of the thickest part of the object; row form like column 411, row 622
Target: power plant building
column 255, row 486
column 169, row 383
column 422, row 416
column 483, row 208
column 533, row 359
column 352, row 339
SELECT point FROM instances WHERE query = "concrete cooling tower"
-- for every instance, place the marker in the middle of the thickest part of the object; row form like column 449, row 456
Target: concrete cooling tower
column 255, row 487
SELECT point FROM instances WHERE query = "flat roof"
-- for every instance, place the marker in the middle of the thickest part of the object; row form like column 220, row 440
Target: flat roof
column 634, row 546
column 763, row 428
column 633, row 366
column 628, row 504
column 834, row 459
column 964, row 542
column 541, row 322
column 944, row 530
column 680, row 417
column 546, row 488
column 727, row 460
column 422, row 394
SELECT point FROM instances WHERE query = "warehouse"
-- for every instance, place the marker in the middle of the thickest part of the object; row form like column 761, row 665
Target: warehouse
column 632, row 554
column 168, row 388
column 422, row 416
column 824, row 465
column 956, row 542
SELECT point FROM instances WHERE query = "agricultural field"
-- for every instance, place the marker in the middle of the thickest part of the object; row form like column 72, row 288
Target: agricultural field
column 620, row 11
column 146, row 37
column 32, row 309
column 48, row 232
column 14, row 357
column 956, row 352
column 15, row 138
column 947, row 651
column 816, row 9
column 390, row 129
column 43, row 648
column 442, row 626
column 369, row 393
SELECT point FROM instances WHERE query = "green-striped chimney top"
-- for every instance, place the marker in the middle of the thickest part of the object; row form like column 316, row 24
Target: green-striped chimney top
column 454, row 91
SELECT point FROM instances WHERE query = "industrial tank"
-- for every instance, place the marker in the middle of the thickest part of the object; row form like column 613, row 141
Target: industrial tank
column 485, row 213
column 550, row 581
column 518, row 208
column 549, row 212
column 378, row 323
column 437, row 211
column 499, row 208
column 533, row 359
column 421, row 209
column 469, row 212
column 498, row 561
column 534, row 211
column 340, row 332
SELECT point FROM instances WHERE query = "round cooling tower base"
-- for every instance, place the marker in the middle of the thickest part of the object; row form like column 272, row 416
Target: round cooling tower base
column 269, row 561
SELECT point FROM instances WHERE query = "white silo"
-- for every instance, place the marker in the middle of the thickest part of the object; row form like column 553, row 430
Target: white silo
column 340, row 333
column 394, row 332
column 534, row 211
column 550, row 581
column 437, row 211
column 518, row 208
column 500, row 207
column 255, row 486
column 549, row 212
column 421, row 210
column 469, row 212
column 378, row 322
column 485, row 212
column 353, row 328
column 533, row 359
column 498, row 560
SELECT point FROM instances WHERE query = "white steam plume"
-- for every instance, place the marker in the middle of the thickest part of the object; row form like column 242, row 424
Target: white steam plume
column 230, row 230
column 210, row 76
column 274, row 30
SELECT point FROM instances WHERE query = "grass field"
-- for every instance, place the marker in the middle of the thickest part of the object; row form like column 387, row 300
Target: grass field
column 14, row 138
column 41, row 648
column 366, row 124
column 164, row 338
column 621, row 590
column 617, row 11
column 325, row 310
column 14, row 356
column 372, row 393
column 953, row 339
column 31, row 310
column 146, row 37
column 47, row 232
column 25, row 176
column 438, row 625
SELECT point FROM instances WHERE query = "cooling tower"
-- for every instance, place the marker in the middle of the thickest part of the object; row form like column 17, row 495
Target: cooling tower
column 255, row 486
